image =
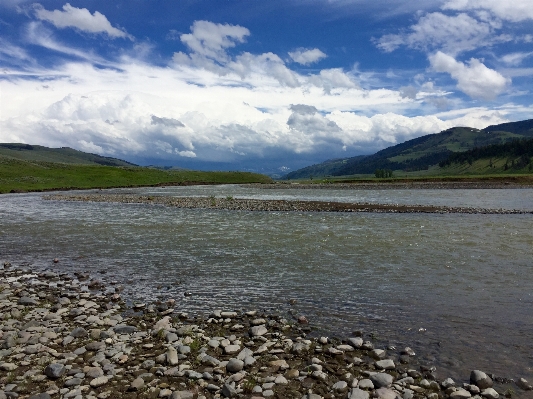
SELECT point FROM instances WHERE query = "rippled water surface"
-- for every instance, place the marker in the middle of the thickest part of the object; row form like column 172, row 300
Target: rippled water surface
column 467, row 280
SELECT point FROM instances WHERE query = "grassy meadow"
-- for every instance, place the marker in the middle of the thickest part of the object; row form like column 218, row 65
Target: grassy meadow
column 20, row 176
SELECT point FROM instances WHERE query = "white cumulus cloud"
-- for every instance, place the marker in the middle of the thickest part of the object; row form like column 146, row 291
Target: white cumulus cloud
column 451, row 34
column 307, row 57
column 510, row 10
column 81, row 19
column 474, row 79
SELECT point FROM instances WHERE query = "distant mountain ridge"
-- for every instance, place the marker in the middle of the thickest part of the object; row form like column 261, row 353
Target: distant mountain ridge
column 37, row 153
column 420, row 153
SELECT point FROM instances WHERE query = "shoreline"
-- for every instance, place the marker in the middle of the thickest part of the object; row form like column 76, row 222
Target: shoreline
column 65, row 336
column 518, row 182
column 234, row 204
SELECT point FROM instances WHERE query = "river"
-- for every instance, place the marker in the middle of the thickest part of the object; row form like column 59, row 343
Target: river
column 457, row 288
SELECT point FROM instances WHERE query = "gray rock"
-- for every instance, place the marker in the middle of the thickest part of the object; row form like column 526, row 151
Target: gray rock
column 182, row 395
column 386, row 364
column 356, row 342
column 340, row 386
column 460, row 394
column 27, row 301
column 94, row 372
column 448, row 382
column 385, row 393
column 524, row 384
column 73, row 382
column 314, row 396
column 172, row 356
column 171, row 337
column 234, row 365
column 257, row 331
column 124, row 329
column 42, row 395
column 365, row 383
column 79, row 332
column 54, row 371
column 480, row 379
column 490, row 393
column 381, row 380
column 228, row 391
column 98, row 382
column 185, row 330
column 210, row 361
column 95, row 346
column 356, row 393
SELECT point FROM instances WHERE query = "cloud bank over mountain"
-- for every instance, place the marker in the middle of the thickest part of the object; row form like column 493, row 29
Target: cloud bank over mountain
column 219, row 94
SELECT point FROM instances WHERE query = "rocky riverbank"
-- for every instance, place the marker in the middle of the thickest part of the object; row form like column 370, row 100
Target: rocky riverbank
column 65, row 336
column 234, row 204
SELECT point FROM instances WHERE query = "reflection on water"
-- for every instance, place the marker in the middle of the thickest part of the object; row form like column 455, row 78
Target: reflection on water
column 465, row 279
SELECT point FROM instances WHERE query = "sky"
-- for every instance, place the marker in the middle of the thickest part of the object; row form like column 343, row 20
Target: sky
column 268, row 86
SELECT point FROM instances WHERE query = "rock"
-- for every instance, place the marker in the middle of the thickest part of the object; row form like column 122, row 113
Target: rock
column 524, row 384
column 257, row 331
column 79, row 332
column 448, row 382
column 365, row 383
column 43, row 395
column 228, row 391
column 124, row 329
column 210, row 361
column 490, row 393
column 172, row 356
column 312, row 396
column 182, row 395
column 386, row 364
column 27, row 301
column 303, row 320
column 185, row 330
column 98, row 382
column 171, row 337
column 54, row 371
column 381, row 380
column 280, row 364
column 460, row 394
column 95, row 346
column 231, row 349
column 356, row 342
column 292, row 374
column 280, row 380
column 73, row 382
column 94, row 372
column 480, row 379
column 8, row 366
column 234, row 365
column 356, row 393
column 340, row 386
column 385, row 393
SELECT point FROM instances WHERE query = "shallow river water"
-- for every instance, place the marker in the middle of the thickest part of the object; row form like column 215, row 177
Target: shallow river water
column 457, row 288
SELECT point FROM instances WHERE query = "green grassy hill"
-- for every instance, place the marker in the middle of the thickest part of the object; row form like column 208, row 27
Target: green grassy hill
column 20, row 176
column 26, row 152
column 421, row 153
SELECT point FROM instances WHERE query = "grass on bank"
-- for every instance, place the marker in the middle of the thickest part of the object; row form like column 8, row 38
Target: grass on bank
column 491, row 170
column 21, row 176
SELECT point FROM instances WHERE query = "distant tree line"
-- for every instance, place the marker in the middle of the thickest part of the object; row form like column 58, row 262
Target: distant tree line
column 383, row 173
column 520, row 148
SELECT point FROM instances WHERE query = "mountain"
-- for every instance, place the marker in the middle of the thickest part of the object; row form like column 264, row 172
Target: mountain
column 420, row 153
column 37, row 153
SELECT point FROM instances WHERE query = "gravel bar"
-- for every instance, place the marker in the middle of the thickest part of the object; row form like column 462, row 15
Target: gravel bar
column 235, row 204
column 73, row 336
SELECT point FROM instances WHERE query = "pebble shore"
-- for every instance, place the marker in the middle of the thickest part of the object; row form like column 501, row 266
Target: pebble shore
column 235, row 204
column 70, row 336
